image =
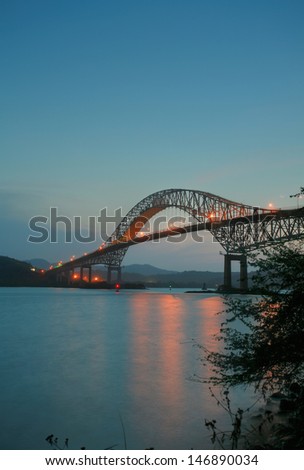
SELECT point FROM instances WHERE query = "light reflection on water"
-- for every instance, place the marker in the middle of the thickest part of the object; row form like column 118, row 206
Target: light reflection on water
column 74, row 361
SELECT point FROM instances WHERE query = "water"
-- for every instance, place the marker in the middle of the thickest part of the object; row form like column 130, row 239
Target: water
column 90, row 365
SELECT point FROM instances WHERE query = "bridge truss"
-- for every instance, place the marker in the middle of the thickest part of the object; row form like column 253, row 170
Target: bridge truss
column 239, row 228
column 244, row 234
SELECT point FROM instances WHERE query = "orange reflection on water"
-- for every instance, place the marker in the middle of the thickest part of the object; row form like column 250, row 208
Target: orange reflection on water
column 170, row 354
column 162, row 358
column 211, row 321
column 157, row 360
column 140, row 321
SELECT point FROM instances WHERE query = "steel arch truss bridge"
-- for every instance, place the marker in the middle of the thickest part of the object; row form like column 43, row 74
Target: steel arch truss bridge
column 244, row 234
column 238, row 227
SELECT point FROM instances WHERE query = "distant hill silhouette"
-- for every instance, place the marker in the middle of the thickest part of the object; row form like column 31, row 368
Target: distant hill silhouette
column 196, row 279
column 20, row 273
column 39, row 263
column 145, row 269
column 17, row 273
column 152, row 276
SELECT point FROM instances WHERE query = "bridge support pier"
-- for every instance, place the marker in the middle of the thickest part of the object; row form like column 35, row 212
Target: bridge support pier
column 109, row 274
column 63, row 278
column 243, row 271
column 70, row 274
column 89, row 268
column 59, row 278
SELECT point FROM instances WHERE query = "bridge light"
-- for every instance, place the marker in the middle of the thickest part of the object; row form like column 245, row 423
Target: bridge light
column 117, row 286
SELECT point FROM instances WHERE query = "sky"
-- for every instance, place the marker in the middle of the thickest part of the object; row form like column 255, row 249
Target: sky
column 105, row 102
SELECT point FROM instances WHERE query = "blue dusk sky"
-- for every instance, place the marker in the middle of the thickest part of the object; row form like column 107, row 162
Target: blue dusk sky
column 105, row 102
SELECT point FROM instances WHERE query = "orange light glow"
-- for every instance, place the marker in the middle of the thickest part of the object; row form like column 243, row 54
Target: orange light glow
column 138, row 224
column 76, row 276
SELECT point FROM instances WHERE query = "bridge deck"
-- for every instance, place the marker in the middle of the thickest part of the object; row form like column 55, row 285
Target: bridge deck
column 255, row 218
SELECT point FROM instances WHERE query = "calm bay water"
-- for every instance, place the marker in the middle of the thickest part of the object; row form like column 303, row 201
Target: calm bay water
column 78, row 363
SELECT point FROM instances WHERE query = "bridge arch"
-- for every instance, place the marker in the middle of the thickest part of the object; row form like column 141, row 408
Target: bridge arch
column 203, row 206
column 237, row 227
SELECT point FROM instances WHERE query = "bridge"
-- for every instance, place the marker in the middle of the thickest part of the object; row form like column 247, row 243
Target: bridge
column 239, row 228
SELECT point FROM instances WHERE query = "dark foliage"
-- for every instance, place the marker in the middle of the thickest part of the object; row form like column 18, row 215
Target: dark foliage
column 263, row 336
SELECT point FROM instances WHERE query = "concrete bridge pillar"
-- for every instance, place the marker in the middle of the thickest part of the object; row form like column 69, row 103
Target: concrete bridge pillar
column 227, row 272
column 82, row 272
column 109, row 274
column 59, row 278
column 70, row 274
column 243, row 271
column 63, row 278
